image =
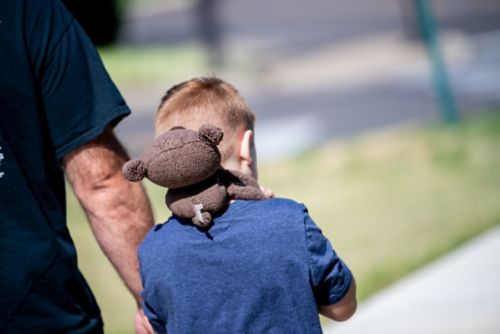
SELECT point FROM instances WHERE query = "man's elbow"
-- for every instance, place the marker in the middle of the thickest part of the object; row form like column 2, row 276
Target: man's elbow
column 96, row 165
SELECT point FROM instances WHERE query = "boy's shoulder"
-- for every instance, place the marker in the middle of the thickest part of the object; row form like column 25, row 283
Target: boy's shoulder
column 161, row 233
column 272, row 208
column 276, row 203
column 244, row 211
column 279, row 210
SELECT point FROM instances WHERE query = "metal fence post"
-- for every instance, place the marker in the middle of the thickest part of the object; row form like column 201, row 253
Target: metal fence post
column 447, row 104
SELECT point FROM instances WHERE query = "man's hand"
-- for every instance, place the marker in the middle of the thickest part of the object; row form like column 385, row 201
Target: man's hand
column 142, row 325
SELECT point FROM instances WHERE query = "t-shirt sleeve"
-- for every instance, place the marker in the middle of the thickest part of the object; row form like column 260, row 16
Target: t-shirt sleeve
column 78, row 96
column 330, row 276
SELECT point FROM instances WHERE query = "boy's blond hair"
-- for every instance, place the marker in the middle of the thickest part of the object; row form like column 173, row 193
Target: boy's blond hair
column 206, row 100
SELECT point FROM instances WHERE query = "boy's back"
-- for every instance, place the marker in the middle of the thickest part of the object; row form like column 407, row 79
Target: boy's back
column 262, row 267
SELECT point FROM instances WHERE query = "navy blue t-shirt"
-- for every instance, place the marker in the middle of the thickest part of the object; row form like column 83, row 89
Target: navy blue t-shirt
column 262, row 267
column 55, row 95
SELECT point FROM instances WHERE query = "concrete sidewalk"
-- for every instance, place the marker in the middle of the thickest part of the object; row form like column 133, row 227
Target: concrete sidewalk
column 458, row 293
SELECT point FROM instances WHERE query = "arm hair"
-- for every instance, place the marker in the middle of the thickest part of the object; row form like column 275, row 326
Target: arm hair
column 118, row 211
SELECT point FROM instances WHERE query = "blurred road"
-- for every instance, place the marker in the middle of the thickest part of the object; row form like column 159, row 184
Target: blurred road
column 329, row 68
column 281, row 27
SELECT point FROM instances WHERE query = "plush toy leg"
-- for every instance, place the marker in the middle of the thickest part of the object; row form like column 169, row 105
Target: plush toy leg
column 207, row 219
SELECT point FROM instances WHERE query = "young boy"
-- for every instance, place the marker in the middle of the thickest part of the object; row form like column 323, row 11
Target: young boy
column 262, row 267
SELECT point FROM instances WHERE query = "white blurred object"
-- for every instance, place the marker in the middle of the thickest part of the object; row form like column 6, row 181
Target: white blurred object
column 457, row 294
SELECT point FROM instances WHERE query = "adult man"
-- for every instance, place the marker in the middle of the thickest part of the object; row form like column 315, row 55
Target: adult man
column 57, row 110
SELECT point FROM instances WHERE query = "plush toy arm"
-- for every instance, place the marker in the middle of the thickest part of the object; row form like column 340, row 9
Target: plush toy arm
column 134, row 170
column 245, row 192
column 241, row 186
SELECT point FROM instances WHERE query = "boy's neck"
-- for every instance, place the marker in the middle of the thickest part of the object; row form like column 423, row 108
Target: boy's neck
column 239, row 166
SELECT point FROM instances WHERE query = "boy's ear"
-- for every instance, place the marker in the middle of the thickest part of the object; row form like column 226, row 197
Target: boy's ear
column 246, row 148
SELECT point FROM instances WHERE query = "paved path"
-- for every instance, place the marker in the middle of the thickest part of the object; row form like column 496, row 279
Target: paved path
column 457, row 294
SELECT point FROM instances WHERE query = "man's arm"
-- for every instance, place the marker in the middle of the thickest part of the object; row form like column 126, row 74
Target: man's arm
column 345, row 308
column 118, row 211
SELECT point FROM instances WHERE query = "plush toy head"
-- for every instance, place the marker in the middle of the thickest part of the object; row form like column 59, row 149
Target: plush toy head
column 178, row 158
column 189, row 164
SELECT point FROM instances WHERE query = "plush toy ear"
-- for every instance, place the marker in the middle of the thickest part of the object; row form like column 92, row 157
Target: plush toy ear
column 134, row 170
column 211, row 133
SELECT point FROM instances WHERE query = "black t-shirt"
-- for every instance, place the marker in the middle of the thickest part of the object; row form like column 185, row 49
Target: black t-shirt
column 55, row 95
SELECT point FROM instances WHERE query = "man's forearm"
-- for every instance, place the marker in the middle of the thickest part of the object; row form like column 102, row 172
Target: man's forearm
column 119, row 216
column 118, row 211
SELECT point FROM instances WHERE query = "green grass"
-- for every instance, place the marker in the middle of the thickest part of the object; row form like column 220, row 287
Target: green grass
column 392, row 201
column 389, row 201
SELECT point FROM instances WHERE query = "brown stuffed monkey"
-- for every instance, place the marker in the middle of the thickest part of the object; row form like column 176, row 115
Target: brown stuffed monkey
column 188, row 163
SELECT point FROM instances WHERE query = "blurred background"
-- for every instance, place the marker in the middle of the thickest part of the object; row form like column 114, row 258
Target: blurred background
column 385, row 123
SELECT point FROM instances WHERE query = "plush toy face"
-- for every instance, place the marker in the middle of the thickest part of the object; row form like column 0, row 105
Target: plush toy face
column 178, row 158
column 188, row 163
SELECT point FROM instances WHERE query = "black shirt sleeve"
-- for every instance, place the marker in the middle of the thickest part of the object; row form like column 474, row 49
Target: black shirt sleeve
column 78, row 96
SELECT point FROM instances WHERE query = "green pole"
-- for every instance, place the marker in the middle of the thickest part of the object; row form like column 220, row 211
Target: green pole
column 448, row 108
